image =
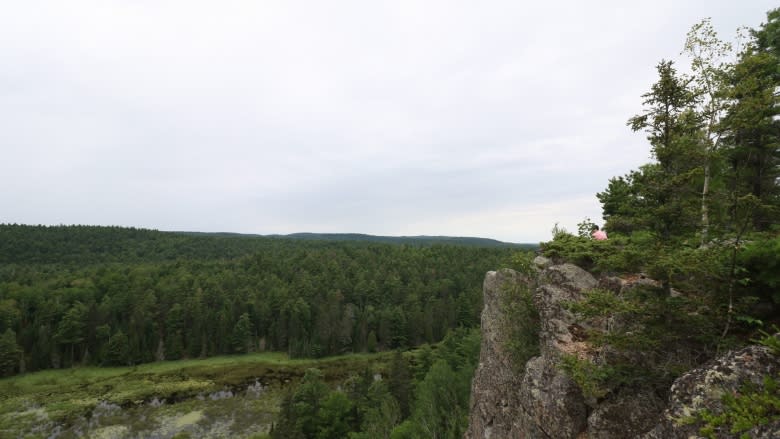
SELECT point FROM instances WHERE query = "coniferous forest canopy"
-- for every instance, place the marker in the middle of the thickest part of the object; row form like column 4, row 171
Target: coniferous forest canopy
column 73, row 295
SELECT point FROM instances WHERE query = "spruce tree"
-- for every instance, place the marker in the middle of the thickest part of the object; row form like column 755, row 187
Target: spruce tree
column 9, row 353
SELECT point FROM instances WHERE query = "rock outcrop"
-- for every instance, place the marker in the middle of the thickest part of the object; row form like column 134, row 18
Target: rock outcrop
column 704, row 387
column 539, row 400
column 495, row 402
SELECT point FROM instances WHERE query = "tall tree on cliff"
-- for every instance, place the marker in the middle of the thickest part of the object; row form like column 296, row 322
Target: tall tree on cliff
column 707, row 53
column 751, row 127
column 665, row 190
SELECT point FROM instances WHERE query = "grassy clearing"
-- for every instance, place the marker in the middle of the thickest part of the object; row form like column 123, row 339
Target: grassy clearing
column 67, row 397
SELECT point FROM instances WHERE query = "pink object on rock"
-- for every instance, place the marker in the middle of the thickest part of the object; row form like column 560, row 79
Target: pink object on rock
column 600, row 235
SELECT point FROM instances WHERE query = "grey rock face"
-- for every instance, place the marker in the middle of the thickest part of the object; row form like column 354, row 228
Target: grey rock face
column 541, row 262
column 559, row 285
column 626, row 415
column 703, row 388
column 541, row 402
column 553, row 402
column 493, row 397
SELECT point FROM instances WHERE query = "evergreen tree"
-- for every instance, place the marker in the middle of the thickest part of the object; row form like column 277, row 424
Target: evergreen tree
column 117, row 350
column 70, row 331
column 307, row 401
column 286, row 425
column 371, row 343
column 242, row 332
column 437, row 410
column 663, row 196
column 335, row 418
column 400, row 383
column 380, row 415
column 9, row 353
column 174, row 330
column 751, row 127
column 9, row 314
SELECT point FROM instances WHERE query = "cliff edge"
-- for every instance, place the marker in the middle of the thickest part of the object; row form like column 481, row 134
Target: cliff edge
column 538, row 399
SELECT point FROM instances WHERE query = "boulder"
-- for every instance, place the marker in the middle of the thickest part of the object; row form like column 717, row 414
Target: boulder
column 704, row 387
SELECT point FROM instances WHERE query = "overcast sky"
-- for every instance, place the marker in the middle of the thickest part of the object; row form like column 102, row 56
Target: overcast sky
column 481, row 118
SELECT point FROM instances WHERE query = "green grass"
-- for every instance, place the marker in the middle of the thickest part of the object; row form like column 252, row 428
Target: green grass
column 64, row 396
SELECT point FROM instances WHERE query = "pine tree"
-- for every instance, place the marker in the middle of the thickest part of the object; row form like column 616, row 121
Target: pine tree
column 334, row 419
column 9, row 353
column 70, row 331
column 371, row 343
column 117, row 350
column 400, row 383
column 242, row 331
column 751, row 129
column 307, row 401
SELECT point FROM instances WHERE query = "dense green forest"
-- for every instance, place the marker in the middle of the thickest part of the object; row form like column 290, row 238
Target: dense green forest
column 703, row 218
column 426, row 399
column 77, row 295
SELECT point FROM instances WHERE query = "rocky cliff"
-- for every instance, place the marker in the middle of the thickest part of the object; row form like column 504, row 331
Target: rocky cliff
column 539, row 400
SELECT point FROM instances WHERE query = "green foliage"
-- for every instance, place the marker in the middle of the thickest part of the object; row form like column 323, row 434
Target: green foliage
column 772, row 341
column 187, row 296
column 521, row 324
column 438, row 409
column 522, row 262
column 761, row 261
column 242, row 331
column 9, row 314
column 371, row 343
column 701, row 219
column 335, row 416
column 400, row 383
column 652, row 336
column 374, row 408
column 585, row 228
column 603, row 303
column 582, row 251
column 81, row 244
column 66, row 395
column 380, row 414
column 441, row 401
column 743, row 411
column 9, row 353
column 594, row 380
column 117, row 350
column 306, row 403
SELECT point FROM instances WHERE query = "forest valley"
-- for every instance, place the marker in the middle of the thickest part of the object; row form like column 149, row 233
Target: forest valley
column 127, row 296
column 82, row 296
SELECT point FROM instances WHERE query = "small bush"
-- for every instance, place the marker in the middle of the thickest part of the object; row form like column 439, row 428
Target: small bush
column 743, row 411
column 521, row 323
column 594, row 380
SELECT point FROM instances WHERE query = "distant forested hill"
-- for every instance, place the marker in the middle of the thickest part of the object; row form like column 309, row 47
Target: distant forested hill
column 111, row 295
column 88, row 244
column 411, row 240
